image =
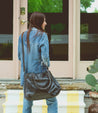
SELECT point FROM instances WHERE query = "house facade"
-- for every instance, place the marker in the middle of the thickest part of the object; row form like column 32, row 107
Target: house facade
column 73, row 37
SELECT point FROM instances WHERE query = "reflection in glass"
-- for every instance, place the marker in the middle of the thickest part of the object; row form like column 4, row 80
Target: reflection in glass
column 45, row 6
column 57, row 26
column 59, row 42
column 89, row 6
column 89, row 30
column 6, row 30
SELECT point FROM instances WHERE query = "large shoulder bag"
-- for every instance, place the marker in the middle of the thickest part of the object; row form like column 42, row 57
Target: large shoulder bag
column 41, row 85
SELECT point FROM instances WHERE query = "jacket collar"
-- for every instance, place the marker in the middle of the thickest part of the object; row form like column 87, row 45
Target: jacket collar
column 34, row 28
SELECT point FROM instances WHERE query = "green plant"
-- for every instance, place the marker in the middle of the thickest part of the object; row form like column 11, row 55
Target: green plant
column 45, row 6
column 90, row 78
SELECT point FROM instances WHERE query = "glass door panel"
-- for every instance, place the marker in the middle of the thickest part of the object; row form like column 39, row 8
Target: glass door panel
column 56, row 12
column 89, row 30
column 6, row 30
column 88, row 35
column 57, row 18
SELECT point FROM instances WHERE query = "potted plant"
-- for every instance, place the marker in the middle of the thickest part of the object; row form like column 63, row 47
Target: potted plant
column 92, row 81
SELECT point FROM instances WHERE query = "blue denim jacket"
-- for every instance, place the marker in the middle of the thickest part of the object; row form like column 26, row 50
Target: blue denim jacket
column 38, row 57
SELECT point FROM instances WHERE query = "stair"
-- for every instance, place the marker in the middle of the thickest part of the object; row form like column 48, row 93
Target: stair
column 68, row 102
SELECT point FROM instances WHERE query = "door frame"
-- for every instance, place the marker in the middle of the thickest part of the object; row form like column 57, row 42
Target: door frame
column 70, row 67
column 64, row 69
column 75, row 68
column 22, row 27
column 81, row 66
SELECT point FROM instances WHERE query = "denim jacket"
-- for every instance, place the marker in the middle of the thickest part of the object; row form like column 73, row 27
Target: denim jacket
column 37, row 59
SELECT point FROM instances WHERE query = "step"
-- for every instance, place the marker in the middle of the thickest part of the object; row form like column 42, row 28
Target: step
column 42, row 108
column 68, row 102
column 16, row 95
column 68, row 95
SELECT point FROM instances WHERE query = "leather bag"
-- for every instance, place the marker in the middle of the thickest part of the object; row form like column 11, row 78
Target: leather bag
column 41, row 85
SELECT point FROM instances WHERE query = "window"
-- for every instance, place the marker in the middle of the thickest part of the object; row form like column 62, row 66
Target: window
column 89, row 30
column 56, row 12
column 6, row 30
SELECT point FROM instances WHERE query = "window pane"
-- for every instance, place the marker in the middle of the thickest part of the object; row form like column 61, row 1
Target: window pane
column 6, row 30
column 45, row 6
column 57, row 26
column 89, row 30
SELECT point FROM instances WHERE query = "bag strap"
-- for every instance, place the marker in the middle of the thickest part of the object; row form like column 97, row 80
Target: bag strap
column 23, row 52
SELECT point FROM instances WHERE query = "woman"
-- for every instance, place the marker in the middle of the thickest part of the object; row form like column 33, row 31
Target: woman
column 36, row 45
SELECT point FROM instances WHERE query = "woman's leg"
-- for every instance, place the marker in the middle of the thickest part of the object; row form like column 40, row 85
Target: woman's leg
column 52, row 105
column 27, row 106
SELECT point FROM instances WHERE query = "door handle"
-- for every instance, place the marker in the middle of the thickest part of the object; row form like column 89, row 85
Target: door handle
column 23, row 21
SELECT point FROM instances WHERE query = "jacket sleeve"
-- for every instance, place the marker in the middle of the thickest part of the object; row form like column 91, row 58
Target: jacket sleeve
column 44, row 47
column 19, row 48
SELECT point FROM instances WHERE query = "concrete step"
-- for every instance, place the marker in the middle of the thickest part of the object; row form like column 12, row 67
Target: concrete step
column 68, row 102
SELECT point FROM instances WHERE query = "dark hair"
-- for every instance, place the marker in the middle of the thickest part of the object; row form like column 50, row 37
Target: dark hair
column 36, row 20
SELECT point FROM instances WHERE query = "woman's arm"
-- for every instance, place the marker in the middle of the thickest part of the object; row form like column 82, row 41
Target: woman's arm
column 44, row 47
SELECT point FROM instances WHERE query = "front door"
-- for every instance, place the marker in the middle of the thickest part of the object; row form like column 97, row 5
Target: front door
column 9, row 31
column 87, row 32
column 15, row 15
column 59, row 29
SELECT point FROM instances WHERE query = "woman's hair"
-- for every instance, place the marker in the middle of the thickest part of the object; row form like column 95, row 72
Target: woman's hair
column 36, row 20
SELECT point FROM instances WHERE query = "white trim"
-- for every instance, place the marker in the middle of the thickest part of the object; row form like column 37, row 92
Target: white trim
column 74, row 38
column 71, row 38
column 23, row 27
column 16, row 29
column 76, row 35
